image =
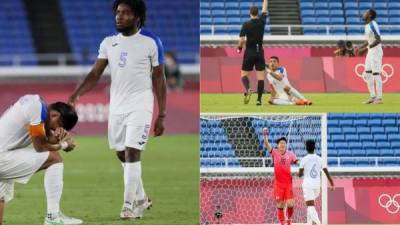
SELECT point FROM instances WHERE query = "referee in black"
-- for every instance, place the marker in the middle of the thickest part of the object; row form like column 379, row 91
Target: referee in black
column 252, row 33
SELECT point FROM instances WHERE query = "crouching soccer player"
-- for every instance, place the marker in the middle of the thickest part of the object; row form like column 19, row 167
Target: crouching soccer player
column 310, row 167
column 28, row 121
column 282, row 93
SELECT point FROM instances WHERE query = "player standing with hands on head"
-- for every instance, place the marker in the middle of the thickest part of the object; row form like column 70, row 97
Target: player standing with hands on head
column 136, row 59
column 283, row 187
column 252, row 33
column 311, row 166
column 373, row 60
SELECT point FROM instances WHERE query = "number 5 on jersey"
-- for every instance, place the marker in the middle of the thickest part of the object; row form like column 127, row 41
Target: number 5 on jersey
column 122, row 59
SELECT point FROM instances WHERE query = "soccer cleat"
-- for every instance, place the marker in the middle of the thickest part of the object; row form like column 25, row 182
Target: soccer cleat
column 141, row 206
column 369, row 101
column 126, row 214
column 247, row 96
column 377, row 101
column 307, row 102
column 53, row 220
column 258, row 103
column 70, row 220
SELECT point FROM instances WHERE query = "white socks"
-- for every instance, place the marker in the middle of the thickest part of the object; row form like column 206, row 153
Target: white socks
column 140, row 193
column 370, row 84
column 53, row 184
column 278, row 101
column 313, row 215
column 296, row 94
column 378, row 83
column 132, row 177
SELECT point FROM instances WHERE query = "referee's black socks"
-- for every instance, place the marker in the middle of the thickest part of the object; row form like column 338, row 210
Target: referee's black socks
column 246, row 83
column 260, row 89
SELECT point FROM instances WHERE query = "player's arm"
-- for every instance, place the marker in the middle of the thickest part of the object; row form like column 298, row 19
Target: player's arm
column 362, row 48
column 265, row 6
column 267, row 145
column 301, row 172
column 41, row 143
column 160, row 90
column 376, row 42
column 90, row 80
column 276, row 75
column 332, row 187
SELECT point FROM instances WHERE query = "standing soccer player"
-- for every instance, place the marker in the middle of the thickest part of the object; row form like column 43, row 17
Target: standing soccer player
column 31, row 121
column 136, row 59
column 310, row 167
column 373, row 61
column 252, row 33
column 283, row 192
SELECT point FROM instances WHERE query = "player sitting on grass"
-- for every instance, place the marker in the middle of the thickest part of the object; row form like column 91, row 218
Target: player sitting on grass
column 310, row 167
column 282, row 93
column 28, row 121
column 283, row 188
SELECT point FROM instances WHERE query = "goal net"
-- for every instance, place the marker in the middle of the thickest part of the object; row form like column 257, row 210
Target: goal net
column 237, row 180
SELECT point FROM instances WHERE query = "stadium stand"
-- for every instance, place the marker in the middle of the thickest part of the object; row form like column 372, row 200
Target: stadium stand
column 363, row 139
column 223, row 14
column 88, row 22
column 17, row 38
column 342, row 16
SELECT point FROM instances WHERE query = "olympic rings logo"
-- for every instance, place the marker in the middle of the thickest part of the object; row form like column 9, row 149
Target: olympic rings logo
column 387, row 72
column 391, row 205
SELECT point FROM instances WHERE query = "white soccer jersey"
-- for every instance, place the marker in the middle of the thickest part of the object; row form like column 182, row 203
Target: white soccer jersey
column 312, row 164
column 131, row 60
column 279, row 84
column 29, row 110
column 372, row 30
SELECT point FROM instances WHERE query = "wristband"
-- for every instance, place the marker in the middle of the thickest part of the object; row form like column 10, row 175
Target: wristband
column 162, row 116
column 64, row 145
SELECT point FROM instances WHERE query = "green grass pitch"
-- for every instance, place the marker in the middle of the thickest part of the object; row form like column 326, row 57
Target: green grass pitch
column 93, row 185
column 326, row 102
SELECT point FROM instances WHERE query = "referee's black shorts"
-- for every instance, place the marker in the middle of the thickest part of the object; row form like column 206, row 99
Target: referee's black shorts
column 253, row 58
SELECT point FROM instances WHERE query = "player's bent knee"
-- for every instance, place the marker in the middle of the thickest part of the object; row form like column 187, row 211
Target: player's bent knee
column 53, row 158
column 290, row 203
column 280, row 204
column 286, row 89
column 132, row 154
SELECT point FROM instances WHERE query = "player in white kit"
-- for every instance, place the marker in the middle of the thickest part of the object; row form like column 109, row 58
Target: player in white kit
column 311, row 166
column 373, row 60
column 31, row 120
column 135, row 57
column 282, row 92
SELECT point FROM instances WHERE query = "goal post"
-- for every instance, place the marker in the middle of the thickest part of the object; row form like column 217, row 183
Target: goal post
column 236, row 181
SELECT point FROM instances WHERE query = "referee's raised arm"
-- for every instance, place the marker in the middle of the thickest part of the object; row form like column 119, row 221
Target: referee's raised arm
column 265, row 6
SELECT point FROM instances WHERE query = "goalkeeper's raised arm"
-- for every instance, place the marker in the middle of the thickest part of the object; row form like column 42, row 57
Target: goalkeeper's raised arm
column 266, row 142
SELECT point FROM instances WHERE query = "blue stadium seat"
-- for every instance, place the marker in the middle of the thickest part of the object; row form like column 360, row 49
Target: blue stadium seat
column 394, row 12
column 337, row 137
column 366, row 137
column 232, row 5
column 323, row 20
column 308, row 13
column 348, row 162
column 360, row 122
column 217, row 5
column 363, row 130
column 233, row 13
column 373, row 152
column 382, row 20
column 332, row 153
column 383, row 145
column 350, row 5
column 337, row 13
column 392, row 130
column 235, row 21
column 218, row 13
column 346, row 122
column 395, row 145
column 353, row 20
column 386, row 152
column 306, row 5
column 334, row 130
column 369, row 144
column 365, row 162
column 204, row 5
column 310, row 20
column 349, row 130
column 335, row 5
column 389, row 162
column 365, row 5
column 333, row 123
column 345, row 153
column 332, row 162
column 355, row 145
column 322, row 13
column 378, row 130
column 220, row 21
column 380, row 5
column 358, row 152
column 394, row 20
column 394, row 5
column 321, row 5
column 351, row 137
column 206, row 21
column 380, row 137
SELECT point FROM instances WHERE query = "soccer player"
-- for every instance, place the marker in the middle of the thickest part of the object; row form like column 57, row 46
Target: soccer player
column 310, row 167
column 31, row 120
column 373, row 61
column 252, row 33
column 283, row 192
column 136, row 59
column 282, row 93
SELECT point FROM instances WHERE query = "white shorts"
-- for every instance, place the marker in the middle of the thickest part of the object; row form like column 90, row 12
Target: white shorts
column 310, row 194
column 373, row 61
column 18, row 166
column 129, row 130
